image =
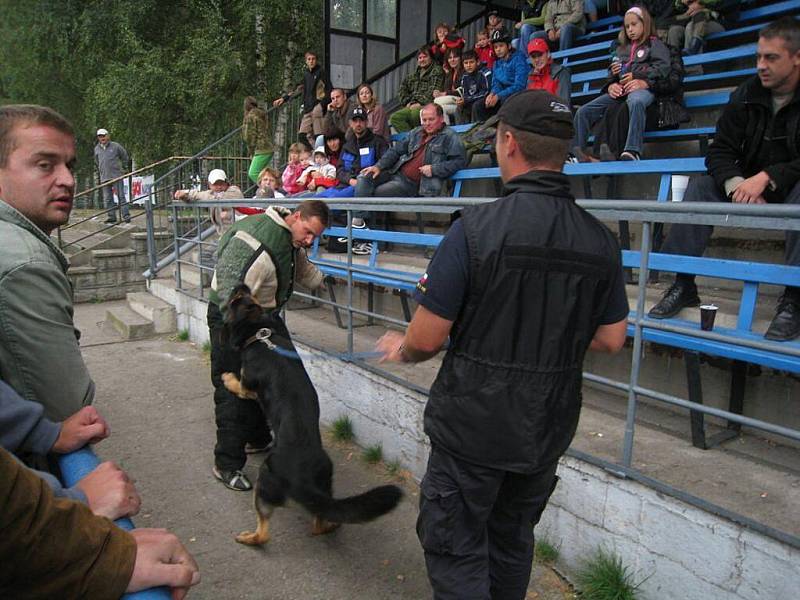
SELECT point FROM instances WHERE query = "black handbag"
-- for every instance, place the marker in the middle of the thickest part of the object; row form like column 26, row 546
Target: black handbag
column 668, row 113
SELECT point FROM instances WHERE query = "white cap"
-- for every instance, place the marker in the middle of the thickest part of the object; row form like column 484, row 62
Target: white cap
column 102, row 131
column 320, row 150
column 217, row 175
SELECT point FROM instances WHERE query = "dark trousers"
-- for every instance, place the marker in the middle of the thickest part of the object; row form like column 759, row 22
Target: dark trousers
column 691, row 240
column 239, row 420
column 476, row 527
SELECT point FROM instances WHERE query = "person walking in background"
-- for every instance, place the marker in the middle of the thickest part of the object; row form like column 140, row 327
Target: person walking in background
column 377, row 122
column 315, row 89
column 256, row 134
column 111, row 161
column 523, row 287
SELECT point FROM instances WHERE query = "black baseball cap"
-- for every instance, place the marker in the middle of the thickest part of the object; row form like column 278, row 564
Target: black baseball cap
column 500, row 36
column 358, row 113
column 539, row 112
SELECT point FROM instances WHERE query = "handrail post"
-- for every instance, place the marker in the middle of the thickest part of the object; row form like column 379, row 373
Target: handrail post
column 151, row 237
column 630, row 419
column 349, row 282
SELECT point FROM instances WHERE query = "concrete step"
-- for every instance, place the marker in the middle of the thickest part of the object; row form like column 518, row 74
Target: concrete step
column 129, row 324
column 114, row 258
column 160, row 313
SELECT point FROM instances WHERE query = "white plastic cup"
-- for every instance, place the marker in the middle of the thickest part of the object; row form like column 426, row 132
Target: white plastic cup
column 679, row 184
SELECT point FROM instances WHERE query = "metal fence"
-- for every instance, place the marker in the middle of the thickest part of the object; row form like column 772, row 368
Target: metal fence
column 648, row 213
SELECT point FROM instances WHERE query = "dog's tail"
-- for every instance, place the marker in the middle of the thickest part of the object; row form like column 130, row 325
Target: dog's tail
column 355, row 509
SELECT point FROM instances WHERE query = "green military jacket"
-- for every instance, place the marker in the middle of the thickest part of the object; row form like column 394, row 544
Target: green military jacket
column 39, row 352
column 419, row 85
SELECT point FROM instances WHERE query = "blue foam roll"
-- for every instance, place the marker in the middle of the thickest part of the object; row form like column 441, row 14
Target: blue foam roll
column 74, row 467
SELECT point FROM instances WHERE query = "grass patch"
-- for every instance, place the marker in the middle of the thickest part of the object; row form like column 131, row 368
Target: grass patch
column 342, row 429
column 183, row 335
column 373, row 454
column 604, row 577
column 206, row 347
column 545, row 552
column 393, row 468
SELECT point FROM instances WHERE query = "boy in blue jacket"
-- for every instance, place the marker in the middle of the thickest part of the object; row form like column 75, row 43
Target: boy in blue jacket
column 476, row 82
column 509, row 76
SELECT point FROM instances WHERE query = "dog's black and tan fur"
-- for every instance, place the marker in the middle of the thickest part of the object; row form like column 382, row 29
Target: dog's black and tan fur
column 298, row 468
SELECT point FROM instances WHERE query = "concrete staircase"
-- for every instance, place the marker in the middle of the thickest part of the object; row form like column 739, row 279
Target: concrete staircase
column 144, row 316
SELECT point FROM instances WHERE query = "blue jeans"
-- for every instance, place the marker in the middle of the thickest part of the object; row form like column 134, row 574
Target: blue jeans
column 569, row 33
column 591, row 113
column 108, row 200
column 525, row 34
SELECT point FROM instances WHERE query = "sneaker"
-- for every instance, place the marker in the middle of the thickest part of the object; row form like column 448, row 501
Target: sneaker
column 358, row 224
column 362, row 248
column 572, row 159
column 680, row 295
column 233, row 480
column 630, row 155
column 110, row 220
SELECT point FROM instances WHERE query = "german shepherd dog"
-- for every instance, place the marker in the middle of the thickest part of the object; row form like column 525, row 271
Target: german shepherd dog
column 297, row 468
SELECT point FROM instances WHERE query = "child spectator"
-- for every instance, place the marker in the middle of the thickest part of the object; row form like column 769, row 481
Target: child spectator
column 640, row 61
column 531, row 20
column 438, row 47
column 448, row 98
column 298, row 161
column 509, row 76
column 269, row 184
column 377, row 121
column 547, row 75
column 494, row 23
column 484, row 50
column 321, row 174
column 476, row 82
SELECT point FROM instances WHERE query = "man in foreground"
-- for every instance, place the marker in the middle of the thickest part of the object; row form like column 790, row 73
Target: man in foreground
column 523, row 286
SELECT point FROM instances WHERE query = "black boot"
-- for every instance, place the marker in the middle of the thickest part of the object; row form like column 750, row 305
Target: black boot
column 785, row 325
column 681, row 294
column 695, row 47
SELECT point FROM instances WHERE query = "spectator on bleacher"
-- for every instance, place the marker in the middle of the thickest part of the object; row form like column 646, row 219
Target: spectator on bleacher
column 494, row 22
column 56, row 548
column 417, row 90
column 640, row 60
column 267, row 253
column 361, row 150
column 315, row 89
column 320, row 175
column 476, row 83
column 448, row 97
column 219, row 188
column 446, row 39
column 255, row 133
column 338, row 115
column 417, row 165
column 509, row 76
column 334, row 140
column 39, row 352
column 24, row 429
column 564, row 22
column 547, row 75
column 483, row 49
column 299, row 157
column 531, row 20
column 111, row 161
column 695, row 19
column 523, row 287
column 377, row 121
column 663, row 14
column 269, row 184
column 754, row 159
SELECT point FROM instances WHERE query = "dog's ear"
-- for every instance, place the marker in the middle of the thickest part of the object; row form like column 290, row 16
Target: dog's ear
column 239, row 293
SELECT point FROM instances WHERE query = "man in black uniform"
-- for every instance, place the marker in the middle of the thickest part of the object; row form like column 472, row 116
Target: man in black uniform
column 523, row 286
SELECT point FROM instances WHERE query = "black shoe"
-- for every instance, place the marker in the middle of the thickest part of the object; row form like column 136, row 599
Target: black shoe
column 109, row 220
column 785, row 325
column 127, row 219
column 233, row 480
column 680, row 295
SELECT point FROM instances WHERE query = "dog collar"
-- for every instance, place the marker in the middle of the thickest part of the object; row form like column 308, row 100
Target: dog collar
column 262, row 335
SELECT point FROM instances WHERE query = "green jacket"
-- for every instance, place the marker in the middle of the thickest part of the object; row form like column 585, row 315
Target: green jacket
column 419, row 85
column 39, row 352
column 255, row 132
column 258, row 251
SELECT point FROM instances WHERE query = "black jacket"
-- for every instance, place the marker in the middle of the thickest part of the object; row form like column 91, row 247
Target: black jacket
column 359, row 153
column 738, row 147
column 541, row 274
column 315, row 87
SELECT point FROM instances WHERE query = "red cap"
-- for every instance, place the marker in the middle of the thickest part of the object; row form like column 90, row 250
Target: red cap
column 537, row 45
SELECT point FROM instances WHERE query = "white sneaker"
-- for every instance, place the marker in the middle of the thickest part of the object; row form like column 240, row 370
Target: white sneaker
column 362, row 248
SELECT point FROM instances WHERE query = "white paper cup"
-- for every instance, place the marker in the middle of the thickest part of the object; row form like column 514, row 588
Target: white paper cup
column 679, row 183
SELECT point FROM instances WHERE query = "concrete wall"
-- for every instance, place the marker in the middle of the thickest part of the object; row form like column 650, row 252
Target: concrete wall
column 676, row 550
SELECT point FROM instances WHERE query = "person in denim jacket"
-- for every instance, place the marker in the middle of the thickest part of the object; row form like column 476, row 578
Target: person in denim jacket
column 418, row 165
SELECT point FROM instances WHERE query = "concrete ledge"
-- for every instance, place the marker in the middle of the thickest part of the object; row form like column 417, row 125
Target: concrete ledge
column 130, row 325
column 160, row 313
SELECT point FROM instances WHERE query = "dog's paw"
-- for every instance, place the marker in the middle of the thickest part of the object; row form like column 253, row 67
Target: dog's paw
column 321, row 526
column 231, row 382
column 251, row 538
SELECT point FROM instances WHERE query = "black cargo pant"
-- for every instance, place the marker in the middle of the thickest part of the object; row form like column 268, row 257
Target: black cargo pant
column 239, row 420
column 476, row 527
